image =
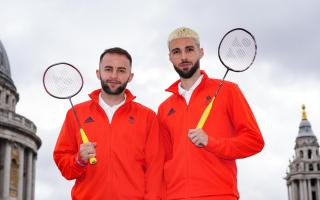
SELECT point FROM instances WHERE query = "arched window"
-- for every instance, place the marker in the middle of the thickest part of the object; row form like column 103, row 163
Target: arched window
column 7, row 99
column 301, row 154
column 311, row 167
column 309, row 153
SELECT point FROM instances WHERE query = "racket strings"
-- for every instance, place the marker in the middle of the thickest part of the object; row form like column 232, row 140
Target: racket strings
column 62, row 81
column 237, row 50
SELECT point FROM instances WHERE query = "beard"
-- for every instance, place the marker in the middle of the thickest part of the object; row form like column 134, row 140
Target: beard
column 188, row 74
column 108, row 90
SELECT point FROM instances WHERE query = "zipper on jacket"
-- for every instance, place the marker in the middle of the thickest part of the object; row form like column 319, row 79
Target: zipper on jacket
column 188, row 143
column 108, row 149
column 188, row 152
column 187, row 149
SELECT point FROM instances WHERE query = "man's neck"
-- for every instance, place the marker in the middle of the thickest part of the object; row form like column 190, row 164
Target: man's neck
column 112, row 100
column 188, row 83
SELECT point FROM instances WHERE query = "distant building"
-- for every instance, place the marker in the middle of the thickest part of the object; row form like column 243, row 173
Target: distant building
column 303, row 176
column 18, row 141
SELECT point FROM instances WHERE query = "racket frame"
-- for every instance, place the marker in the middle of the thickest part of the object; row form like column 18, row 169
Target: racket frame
column 59, row 97
column 255, row 52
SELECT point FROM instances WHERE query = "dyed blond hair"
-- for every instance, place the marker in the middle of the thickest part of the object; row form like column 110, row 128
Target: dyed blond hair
column 184, row 32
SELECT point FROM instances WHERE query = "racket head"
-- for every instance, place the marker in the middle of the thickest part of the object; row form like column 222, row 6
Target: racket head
column 62, row 80
column 237, row 50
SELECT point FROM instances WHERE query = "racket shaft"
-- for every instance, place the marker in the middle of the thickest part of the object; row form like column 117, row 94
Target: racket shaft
column 85, row 139
column 205, row 114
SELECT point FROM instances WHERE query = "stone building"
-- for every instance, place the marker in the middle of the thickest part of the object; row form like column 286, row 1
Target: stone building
column 18, row 141
column 303, row 176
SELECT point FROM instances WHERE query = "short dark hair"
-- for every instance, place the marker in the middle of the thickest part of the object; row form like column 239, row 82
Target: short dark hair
column 117, row 50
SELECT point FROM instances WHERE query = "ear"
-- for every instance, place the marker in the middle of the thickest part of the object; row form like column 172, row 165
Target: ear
column 170, row 58
column 98, row 74
column 130, row 77
column 201, row 52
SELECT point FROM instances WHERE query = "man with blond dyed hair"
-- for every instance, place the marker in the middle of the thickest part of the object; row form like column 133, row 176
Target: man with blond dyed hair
column 201, row 163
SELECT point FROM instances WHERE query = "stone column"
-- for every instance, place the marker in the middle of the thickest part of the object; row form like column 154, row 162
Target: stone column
column 34, row 158
column 289, row 191
column 301, row 190
column 7, row 165
column 29, row 175
column 307, row 191
column 309, row 196
column 318, row 188
column 21, row 166
column 304, row 192
column 294, row 190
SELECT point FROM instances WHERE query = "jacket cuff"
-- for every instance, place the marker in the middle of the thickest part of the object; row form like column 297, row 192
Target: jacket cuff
column 82, row 164
column 212, row 145
column 79, row 165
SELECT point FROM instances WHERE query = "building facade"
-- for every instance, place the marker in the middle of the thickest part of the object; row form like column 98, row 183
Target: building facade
column 18, row 141
column 303, row 175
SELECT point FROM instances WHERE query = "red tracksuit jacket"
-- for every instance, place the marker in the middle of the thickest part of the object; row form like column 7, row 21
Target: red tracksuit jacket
column 211, row 171
column 129, row 155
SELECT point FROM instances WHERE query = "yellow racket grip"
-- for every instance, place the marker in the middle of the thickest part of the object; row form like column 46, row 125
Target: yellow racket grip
column 85, row 139
column 205, row 114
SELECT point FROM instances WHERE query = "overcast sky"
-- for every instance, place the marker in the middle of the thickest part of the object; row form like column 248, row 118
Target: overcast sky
column 37, row 33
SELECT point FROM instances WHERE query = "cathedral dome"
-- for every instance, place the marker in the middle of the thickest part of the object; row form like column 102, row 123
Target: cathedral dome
column 305, row 126
column 4, row 62
column 8, row 92
column 5, row 74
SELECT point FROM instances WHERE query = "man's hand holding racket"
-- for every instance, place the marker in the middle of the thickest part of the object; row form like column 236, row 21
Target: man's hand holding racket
column 198, row 137
column 86, row 151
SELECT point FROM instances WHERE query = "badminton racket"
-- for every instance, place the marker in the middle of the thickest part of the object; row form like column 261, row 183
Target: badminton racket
column 237, row 52
column 64, row 81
